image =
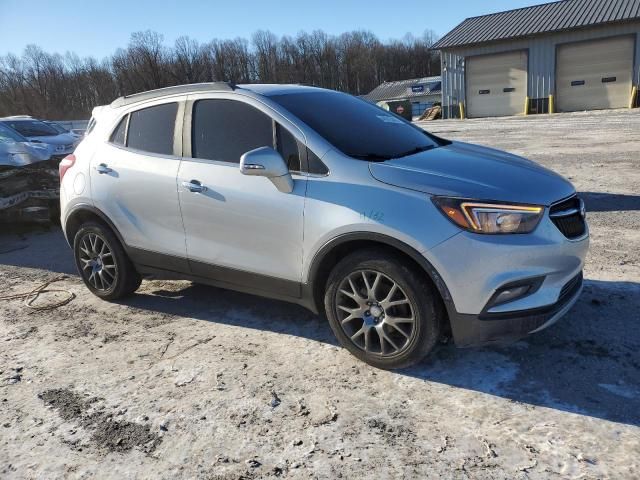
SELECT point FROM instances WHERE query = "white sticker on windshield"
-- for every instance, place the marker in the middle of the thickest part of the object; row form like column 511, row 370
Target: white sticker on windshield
column 389, row 119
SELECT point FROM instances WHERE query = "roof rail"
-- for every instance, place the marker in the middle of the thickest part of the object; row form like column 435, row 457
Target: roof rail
column 175, row 90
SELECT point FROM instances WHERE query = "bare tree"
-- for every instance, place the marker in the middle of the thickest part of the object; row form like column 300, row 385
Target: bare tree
column 53, row 86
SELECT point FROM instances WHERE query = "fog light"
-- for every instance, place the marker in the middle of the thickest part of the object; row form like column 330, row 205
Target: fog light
column 514, row 291
column 511, row 294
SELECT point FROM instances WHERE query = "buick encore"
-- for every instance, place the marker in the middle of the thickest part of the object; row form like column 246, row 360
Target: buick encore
column 319, row 198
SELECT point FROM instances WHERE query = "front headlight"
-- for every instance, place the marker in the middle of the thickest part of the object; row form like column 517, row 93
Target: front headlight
column 489, row 217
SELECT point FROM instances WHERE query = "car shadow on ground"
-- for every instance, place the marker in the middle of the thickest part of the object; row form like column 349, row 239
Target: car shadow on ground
column 610, row 202
column 586, row 364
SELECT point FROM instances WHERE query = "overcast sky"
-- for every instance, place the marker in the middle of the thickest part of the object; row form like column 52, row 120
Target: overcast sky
column 98, row 27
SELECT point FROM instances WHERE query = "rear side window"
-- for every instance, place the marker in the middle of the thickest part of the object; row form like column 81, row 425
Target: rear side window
column 226, row 129
column 151, row 129
column 288, row 148
column 119, row 134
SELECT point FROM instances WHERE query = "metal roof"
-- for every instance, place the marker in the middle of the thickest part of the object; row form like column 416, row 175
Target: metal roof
column 405, row 89
column 539, row 19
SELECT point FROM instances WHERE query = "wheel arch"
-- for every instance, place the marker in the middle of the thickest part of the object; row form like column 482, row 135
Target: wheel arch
column 336, row 249
column 83, row 213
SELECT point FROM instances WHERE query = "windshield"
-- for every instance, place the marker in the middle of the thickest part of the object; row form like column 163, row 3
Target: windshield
column 31, row 128
column 58, row 128
column 7, row 134
column 355, row 127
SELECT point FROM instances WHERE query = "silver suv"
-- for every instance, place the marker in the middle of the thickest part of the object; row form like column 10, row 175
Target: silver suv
column 319, row 198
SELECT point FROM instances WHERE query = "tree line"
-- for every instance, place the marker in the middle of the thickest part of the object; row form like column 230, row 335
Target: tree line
column 54, row 86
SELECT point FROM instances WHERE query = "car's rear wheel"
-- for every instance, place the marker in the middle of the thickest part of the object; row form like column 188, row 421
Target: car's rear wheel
column 103, row 264
column 382, row 309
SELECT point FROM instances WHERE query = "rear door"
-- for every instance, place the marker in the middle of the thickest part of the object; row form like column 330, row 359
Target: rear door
column 133, row 179
column 595, row 74
column 241, row 230
column 496, row 84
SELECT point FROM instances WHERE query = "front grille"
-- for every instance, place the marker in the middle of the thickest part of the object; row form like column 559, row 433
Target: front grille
column 568, row 216
column 571, row 287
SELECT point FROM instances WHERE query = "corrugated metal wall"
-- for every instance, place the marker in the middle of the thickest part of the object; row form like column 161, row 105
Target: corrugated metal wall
column 542, row 51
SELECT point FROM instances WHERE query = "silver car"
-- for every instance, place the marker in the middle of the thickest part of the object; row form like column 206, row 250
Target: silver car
column 36, row 131
column 319, row 198
column 17, row 151
column 76, row 133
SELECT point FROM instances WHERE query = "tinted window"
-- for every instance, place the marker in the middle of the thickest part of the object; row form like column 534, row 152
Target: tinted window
column 32, row 128
column 91, row 125
column 315, row 165
column 9, row 133
column 355, row 127
column 58, row 128
column 118, row 135
column 151, row 129
column 226, row 129
column 288, row 148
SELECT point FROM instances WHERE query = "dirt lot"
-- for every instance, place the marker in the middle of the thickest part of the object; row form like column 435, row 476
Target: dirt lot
column 189, row 381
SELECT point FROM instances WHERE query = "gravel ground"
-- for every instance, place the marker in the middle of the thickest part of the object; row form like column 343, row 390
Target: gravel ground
column 182, row 380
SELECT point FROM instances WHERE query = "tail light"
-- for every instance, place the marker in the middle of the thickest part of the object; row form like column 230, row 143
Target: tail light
column 66, row 163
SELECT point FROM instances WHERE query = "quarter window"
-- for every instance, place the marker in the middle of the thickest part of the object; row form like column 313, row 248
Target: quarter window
column 315, row 165
column 119, row 134
column 151, row 129
column 226, row 129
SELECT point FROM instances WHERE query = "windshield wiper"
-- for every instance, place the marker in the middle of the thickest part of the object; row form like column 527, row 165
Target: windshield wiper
column 415, row 150
column 372, row 157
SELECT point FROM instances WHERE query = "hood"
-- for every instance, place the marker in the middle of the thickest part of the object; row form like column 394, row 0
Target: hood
column 471, row 171
column 62, row 139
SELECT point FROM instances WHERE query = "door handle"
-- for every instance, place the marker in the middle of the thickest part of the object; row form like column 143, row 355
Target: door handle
column 194, row 186
column 103, row 168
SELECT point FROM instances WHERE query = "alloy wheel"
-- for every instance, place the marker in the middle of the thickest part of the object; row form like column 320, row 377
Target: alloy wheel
column 97, row 262
column 375, row 313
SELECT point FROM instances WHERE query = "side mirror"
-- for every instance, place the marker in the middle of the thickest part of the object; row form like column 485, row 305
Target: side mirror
column 266, row 162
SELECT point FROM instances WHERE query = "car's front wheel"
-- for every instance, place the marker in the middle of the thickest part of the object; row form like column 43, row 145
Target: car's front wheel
column 383, row 309
column 103, row 264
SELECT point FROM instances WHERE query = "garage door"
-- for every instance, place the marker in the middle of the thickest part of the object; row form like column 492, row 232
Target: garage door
column 594, row 75
column 496, row 84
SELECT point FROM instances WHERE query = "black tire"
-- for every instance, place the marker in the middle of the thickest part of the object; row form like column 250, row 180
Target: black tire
column 422, row 303
column 113, row 278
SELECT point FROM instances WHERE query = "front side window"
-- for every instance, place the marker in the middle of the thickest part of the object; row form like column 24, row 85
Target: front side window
column 151, row 129
column 288, row 148
column 224, row 130
column 355, row 127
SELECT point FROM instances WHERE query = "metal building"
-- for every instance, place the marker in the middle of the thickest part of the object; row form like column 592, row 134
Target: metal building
column 421, row 93
column 566, row 56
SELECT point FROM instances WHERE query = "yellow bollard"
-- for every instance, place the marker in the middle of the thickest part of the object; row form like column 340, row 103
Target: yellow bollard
column 552, row 106
column 634, row 96
column 526, row 105
column 462, row 111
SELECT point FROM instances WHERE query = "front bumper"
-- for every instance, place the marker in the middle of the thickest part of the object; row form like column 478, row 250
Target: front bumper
column 475, row 267
column 475, row 330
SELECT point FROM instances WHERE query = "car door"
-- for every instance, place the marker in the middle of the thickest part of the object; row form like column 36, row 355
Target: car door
column 133, row 180
column 240, row 230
